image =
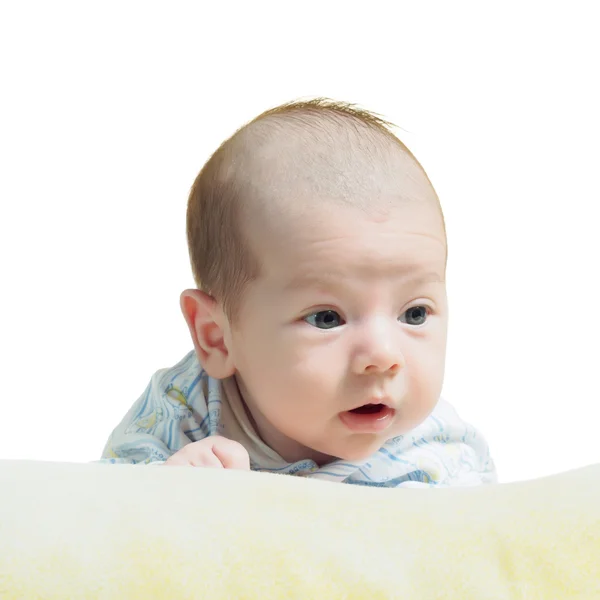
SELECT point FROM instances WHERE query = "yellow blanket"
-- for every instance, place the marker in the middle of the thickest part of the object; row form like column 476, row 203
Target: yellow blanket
column 101, row 531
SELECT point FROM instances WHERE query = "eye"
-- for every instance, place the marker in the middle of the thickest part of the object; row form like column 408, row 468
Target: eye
column 324, row 319
column 415, row 316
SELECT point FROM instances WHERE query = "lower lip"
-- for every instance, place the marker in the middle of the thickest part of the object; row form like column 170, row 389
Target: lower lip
column 368, row 423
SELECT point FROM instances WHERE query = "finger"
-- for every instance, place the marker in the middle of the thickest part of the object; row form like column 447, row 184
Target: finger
column 179, row 459
column 195, row 456
column 206, row 459
column 232, row 455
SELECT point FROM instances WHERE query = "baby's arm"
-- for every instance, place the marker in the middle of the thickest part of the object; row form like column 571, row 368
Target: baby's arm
column 215, row 451
column 143, row 435
column 171, row 424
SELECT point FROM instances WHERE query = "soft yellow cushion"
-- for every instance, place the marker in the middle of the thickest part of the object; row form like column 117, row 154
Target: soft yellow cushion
column 103, row 531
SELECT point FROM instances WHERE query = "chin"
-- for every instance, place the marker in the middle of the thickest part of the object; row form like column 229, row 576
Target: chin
column 360, row 451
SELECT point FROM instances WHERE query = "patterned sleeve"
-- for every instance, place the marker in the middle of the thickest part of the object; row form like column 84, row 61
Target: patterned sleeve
column 171, row 413
column 447, row 451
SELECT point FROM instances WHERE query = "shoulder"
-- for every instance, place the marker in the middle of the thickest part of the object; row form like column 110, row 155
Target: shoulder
column 181, row 380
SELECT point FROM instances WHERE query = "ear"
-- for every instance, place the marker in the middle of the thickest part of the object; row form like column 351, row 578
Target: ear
column 208, row 328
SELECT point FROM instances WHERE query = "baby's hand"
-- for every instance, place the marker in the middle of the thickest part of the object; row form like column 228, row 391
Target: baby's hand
column 215, row 451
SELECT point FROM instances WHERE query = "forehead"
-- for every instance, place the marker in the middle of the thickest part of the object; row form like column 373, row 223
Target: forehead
column 330, row 243
column 338, row 200
column 282, row 162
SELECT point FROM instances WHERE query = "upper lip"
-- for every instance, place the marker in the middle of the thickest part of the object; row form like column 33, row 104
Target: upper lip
column 386, row 400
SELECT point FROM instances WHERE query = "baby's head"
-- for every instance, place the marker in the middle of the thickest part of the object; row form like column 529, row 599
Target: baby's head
column 318, row 246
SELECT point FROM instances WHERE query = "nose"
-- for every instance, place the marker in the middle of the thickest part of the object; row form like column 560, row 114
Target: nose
column 378, row 349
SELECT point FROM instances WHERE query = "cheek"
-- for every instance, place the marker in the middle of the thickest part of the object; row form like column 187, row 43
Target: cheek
column 426, row 364
column 262, row 358
column 285, row 349
column 283, row 373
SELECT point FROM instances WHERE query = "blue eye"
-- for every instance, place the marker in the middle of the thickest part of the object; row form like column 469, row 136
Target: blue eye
column 324, row 319
column 415, row 316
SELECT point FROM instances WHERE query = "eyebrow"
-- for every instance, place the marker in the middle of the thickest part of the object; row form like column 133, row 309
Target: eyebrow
column 328, row 280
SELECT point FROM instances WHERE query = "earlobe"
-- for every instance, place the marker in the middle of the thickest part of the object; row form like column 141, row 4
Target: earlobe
column 207, row 324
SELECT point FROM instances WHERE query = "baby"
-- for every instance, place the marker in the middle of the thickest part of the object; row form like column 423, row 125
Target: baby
column 319, row 324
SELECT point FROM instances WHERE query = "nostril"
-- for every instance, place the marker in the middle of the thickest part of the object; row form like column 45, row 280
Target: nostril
column 394, row 368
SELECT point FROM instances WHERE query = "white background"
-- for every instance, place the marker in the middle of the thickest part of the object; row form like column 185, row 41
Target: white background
column 110, row 109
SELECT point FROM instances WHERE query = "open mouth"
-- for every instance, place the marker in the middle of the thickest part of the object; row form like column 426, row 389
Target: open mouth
column 368, row 418
column 368, row 409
